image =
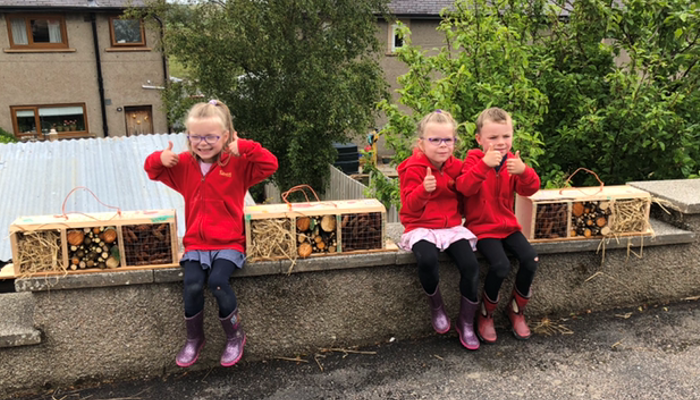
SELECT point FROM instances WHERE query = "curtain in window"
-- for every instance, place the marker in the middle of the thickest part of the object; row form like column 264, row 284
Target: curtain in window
column 55, row 31
column 19, row 31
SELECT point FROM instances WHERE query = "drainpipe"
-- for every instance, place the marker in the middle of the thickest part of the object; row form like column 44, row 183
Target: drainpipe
column 166, row 78
column 100, row 81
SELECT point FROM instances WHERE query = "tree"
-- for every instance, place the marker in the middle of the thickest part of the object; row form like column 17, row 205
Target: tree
column 606, row 85
column 298, row 75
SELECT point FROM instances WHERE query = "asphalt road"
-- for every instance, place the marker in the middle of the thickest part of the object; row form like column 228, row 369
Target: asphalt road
column 643, row 353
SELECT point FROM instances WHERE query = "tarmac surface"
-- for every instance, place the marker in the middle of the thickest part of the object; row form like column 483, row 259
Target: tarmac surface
column 640, row 353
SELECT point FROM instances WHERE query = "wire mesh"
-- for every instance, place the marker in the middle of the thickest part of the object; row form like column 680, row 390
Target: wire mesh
column 361, row 231
column 551, row 221
column 147, row 244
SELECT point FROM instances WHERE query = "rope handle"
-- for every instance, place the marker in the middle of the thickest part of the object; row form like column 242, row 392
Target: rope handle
column 299, row 188
column 64, row 214
column 600, row 188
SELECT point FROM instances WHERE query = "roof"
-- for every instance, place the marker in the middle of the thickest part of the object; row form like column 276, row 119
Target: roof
column 35, row 179
column 419, row 7
column 432, row 8
column 98, row 4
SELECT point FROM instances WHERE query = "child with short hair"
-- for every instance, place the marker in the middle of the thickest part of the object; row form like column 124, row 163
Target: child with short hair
column 431, row 215
column 213, row 177
column 489, row 180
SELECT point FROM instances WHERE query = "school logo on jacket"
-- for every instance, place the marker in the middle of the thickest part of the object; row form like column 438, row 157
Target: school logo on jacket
column 226, row 174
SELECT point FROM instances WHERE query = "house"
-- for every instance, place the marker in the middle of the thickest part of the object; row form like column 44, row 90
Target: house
column 422, row 17
column 80, row 68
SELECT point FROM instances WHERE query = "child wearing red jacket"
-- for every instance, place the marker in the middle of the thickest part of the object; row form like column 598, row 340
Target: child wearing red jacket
column 431, row 215
column 213, row 177
column 489, row 180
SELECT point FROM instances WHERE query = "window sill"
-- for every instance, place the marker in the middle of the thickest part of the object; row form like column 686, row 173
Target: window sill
column 136, row 48
column 39, row 50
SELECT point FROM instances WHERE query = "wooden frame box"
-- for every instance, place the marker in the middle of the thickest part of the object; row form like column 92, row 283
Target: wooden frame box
column 584, row 213
column 278, row 231
column 85, row 243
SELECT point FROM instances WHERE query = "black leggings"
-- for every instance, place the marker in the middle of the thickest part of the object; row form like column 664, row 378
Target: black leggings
column 495, row 252
column 461, row 253
column 219, row 275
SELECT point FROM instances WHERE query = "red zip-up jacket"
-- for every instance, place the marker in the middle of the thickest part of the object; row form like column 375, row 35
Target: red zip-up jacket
column 438, row 209
column 490, row 196
column 214, row 202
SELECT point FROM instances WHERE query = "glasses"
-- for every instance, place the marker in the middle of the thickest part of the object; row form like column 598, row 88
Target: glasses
column 438, row 141
column 209, row 139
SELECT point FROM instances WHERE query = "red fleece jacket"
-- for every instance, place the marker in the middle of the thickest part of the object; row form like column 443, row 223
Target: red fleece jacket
column 490, row 196
column 435, row 210
column 214, row 202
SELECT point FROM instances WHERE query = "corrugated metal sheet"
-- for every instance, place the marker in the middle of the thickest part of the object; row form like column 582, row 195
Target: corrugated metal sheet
column 35, row 178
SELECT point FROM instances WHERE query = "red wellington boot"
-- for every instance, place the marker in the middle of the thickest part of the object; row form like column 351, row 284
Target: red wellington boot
column 515, row 312
column 484, row 320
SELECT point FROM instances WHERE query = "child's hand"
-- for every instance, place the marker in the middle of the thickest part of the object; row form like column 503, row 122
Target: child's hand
column 492, row 158
column 233, row 146
column 429, row 182
column 168, row 158
column 515, row 166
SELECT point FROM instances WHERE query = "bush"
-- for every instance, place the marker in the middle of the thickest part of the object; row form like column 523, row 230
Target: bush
column 609, row 87
column 7, row 137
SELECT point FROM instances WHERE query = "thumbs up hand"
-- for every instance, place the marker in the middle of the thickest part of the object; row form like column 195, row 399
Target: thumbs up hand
column 168, row 158
column 492, row 157
column 233, row 146
column 429, row 182
column 515, row 166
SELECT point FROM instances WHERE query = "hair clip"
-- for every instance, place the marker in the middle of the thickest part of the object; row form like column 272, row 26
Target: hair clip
column 439, row 111
column 214, row 102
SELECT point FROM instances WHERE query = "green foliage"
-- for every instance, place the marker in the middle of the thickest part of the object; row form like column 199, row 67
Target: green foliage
column 609, row 87
column 635, row 120
column 487, row 61
column 7, row 137
column 297, row 75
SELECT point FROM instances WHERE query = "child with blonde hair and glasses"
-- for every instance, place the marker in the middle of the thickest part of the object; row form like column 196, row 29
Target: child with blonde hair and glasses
column 490, row 178
column 431, row 215
column 213, row 177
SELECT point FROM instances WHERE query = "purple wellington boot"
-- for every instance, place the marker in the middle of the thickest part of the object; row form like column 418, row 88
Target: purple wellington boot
column 195, row 341
column 465, row 324
column 438, row 315
column 235, row 339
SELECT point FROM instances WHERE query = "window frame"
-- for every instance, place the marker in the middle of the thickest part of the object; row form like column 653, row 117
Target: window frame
column 112, row 34
column 31, row 45
column 392, row 39
column 38, row 134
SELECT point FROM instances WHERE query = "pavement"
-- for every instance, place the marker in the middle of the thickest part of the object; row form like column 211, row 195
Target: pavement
column 642, row 353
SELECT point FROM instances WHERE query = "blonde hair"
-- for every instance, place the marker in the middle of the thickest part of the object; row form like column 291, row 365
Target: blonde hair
column 438, row 117
column 211, row 109
column 493, row 114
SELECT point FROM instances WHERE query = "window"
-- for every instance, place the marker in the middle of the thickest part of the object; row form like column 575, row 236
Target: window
column 395, row 39
column 127, row 32
column 66, row 119
column 37, row 31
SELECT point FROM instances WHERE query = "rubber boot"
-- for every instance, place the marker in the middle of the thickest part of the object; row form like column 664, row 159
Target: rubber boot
column 465, row 324
column 235, row 339
column 484, row 320
column 515, row 312
column 195, row 341
column 438, row 315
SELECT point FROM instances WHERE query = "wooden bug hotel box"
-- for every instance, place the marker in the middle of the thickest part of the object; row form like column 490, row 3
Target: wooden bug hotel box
column 278, row 231
column 83, row 243
column 584, row 213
